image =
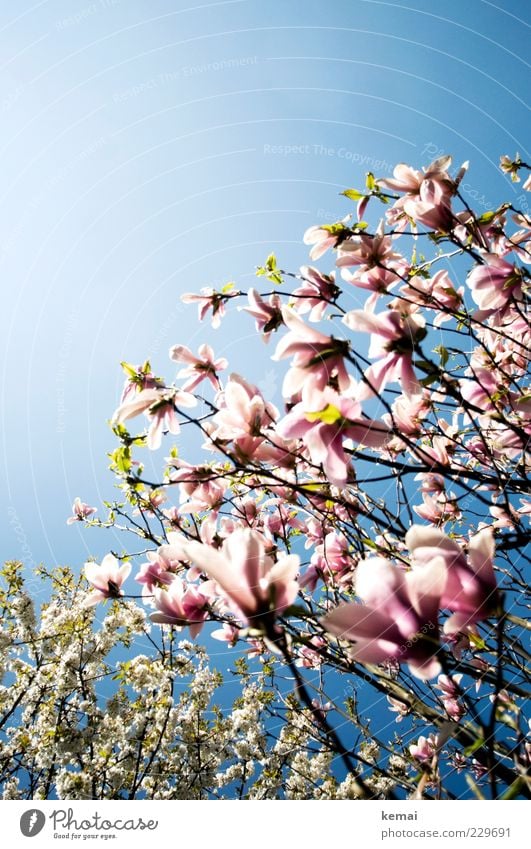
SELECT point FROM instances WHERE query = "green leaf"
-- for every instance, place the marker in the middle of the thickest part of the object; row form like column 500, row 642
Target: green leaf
column 478, row 642
column 443, row 354
column 474, row 747
column 121, row 459
column 427, row 367
column 487, row 217
column 370, row 181
column 353, row 194
column 130, row 370
column 513, row 791
column 270, row 270
column 474, row 787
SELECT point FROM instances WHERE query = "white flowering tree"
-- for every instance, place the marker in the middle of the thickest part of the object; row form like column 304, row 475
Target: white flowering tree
column 362, row 551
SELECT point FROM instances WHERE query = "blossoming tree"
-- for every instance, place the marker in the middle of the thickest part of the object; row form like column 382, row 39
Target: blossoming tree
column 362, row 551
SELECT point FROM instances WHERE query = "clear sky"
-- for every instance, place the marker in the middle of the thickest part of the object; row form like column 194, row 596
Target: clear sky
column 150, row 147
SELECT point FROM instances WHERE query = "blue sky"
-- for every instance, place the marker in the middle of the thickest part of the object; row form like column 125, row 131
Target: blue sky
column 150, row 148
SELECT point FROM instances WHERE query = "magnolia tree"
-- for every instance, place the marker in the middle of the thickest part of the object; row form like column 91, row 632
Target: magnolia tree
column 361, row 549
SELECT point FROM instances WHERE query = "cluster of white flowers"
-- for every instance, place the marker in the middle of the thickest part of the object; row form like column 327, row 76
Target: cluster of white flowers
column 81, row 722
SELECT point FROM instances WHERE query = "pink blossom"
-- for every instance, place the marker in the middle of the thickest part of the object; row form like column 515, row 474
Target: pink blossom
column 209, row 299
column 159, row 405
column 370, row 252
column 480, row 387
column 470, row 590
column 227, row 633
column 407, row 413
column 425, row 748
column 436, row 293
column 427, row 197
column 242, row 411
column 198, row 367
column 407, row 179
column 179, row 605
column 202, row 487
column 107, row 579
column 153, row 574
column 80, row 511
column 315, row 293
column 398, row 707
column 511, row 166
column 268, row 315
column 332, row 560
column 495, row 283
column 316, row 358
column 324, row 420
column 308, row 657
column 325, row 236
column 138, row 378
column 438, row 508
column 449, row 686
column 433, row 207
column 398, row 620
column 393, row 341
column 162, row 565
column 254, row 584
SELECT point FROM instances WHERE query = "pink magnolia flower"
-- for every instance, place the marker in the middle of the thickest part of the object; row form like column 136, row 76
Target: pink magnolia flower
column 316, row 358
column 431, row 482
column 137, row 379
column 159, row 405
column 162, row 565
column 511, row 166
column 198, row 367
column 323, row 420
column 315, row 293
column 398, row 620
column 425, row 748
column 433, row 207
column 254, row 584
column 80, row 511
column 332, row 560
column 428, row 194
column 107, row 579
column 480, row 386
column 325, row 236
column 227, row 634
column 436, row 293
column 407, row 413
column 179, row 605
column 369, row 252
column 393, row 341
column 494, row 284
column 398, row 707
column 153, row 574
column 407, row 179
column 449, row 687
column 242, row 411
column 268, row 315
column 202, row 487
column 308, row 657
column 209, row 299
column 470, row 590
column 438, row 508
